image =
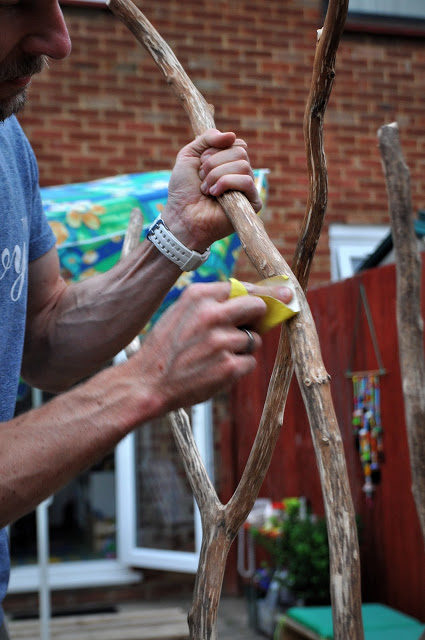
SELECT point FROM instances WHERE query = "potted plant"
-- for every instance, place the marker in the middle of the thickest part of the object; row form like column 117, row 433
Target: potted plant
column 297, row 544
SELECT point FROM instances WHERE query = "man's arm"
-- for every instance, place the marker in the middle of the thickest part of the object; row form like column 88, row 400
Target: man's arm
column 73, row 330
column 193, row 351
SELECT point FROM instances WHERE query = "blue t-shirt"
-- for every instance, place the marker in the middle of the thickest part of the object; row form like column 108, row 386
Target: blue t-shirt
column 25, row 235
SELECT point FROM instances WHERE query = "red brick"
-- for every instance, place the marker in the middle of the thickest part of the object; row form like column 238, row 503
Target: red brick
column 107, row 109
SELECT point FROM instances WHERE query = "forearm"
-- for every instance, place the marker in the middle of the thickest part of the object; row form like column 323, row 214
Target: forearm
column 72, row 331
column 89, row 322
column 43, row 449
column 193, row 351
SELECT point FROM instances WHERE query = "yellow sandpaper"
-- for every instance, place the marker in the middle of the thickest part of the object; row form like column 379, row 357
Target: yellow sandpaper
column 277, row 312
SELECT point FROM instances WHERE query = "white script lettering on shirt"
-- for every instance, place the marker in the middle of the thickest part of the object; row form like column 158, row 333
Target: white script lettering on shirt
column 15, row 262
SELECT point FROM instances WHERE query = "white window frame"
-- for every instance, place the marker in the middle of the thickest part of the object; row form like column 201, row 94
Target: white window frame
column 389, row 8
column 352, row 241
column 144, row 557
column 72, row 575
column 84, row 3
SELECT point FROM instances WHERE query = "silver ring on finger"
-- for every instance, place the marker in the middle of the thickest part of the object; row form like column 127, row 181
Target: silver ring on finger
column 251, row 342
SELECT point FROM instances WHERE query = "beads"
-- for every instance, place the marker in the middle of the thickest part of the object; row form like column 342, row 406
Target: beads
column 367, row 428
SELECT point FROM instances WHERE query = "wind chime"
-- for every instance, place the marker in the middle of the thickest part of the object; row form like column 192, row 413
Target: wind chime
column 367, row 407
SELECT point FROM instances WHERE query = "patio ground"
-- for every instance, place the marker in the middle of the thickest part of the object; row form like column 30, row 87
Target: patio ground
column 154, row 618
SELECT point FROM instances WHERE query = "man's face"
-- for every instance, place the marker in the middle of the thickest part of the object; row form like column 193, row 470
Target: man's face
column 31, row 31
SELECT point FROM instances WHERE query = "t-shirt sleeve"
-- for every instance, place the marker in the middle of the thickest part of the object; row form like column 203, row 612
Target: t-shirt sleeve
column 42, row 238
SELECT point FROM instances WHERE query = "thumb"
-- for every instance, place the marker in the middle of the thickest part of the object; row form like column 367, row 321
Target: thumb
column 210, row 138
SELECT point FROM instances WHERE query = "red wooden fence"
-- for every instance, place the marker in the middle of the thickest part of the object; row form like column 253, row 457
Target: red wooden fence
column 393, row 558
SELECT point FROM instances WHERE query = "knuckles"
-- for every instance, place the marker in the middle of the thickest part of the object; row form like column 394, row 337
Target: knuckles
column 234, row 366
column 206, row 292
column 241, row 154
column 216, row 341
column 234, row 154
column 194, row 293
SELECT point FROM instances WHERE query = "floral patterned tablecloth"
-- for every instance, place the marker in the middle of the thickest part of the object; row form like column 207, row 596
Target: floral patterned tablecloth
column 90, row 220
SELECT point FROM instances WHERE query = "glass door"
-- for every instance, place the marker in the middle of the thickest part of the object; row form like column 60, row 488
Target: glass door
column 132, row 509
column 80, row 526
column 158, row 521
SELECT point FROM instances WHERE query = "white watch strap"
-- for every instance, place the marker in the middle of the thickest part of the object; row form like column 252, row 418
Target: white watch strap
column 160, row 235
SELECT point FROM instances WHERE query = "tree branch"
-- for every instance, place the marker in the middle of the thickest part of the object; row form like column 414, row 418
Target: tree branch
column 222, row 524
column 203, row 490
column 409, row 317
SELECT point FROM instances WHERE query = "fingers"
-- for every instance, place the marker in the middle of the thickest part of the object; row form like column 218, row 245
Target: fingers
column 252, row 341
column 211, row 138
column 218, row 291
column 212, row 178
column 229, row 170
column 212, row 306
column 280, row 292
column 199, row 345
column 213, row 157
column 208, row 310
column 225, row 165
column 222, row 322
column 235, row 182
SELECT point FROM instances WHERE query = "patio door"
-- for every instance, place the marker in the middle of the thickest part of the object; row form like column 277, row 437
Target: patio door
column 133, row 509
column 159, row 525
column 79, row 526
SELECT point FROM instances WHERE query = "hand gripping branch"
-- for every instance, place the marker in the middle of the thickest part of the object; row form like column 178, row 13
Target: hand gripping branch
column 299, row 338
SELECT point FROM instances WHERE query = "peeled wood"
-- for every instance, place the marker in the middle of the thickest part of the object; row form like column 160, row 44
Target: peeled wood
column 409, row 317
column 222, row 522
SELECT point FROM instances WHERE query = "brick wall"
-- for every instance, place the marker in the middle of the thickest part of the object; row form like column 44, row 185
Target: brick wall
column 107, row 110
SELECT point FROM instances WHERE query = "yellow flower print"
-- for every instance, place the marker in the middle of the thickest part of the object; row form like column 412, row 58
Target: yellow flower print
column 89, row 218
column 60, row 231
column 73, row 218
column 90, row 257
column 98, row 208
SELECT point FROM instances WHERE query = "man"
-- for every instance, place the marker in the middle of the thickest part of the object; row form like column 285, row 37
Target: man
column 57, row 334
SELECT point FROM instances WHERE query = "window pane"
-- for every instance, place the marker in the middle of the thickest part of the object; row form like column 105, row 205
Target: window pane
column 82, row 522
column 165, row 510
column 406, row 8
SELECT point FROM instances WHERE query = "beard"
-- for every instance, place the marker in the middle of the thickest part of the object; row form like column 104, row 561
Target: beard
column 15, row 68
column 12, row 105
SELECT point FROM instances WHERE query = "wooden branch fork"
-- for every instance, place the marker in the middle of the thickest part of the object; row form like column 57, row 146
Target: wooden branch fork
column 222, row 522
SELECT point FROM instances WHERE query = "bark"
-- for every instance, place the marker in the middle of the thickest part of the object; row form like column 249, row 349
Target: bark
column 221, row 523
column 409, row 318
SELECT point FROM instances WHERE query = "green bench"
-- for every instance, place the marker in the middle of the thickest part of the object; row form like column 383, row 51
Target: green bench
column 315, row 623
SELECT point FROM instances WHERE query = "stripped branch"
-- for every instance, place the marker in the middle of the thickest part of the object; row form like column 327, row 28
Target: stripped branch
column 203, row 490
column 221, row 523
column 409, row 317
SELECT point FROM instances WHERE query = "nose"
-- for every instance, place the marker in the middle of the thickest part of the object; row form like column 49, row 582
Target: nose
column 48, row 34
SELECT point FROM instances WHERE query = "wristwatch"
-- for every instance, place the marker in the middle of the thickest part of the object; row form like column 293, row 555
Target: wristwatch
column 167, row 243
